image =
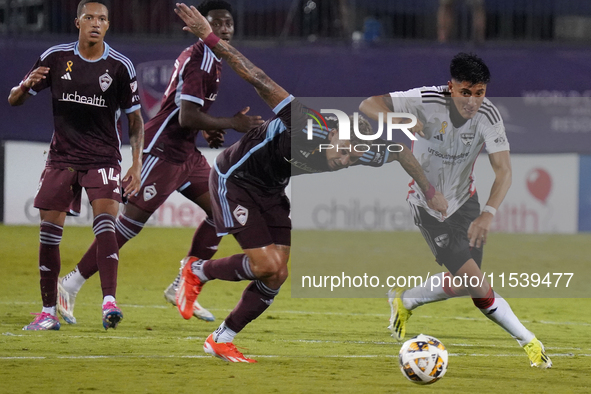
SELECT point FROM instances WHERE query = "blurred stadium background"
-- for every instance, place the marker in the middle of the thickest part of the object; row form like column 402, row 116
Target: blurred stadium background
column 538, row 52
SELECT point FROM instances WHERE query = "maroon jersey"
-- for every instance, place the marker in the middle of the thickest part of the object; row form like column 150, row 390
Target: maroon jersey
column 88, row 97
column 195, row 78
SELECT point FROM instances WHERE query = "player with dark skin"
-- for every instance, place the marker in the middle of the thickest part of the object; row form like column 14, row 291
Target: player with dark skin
column 191, row 117
column 171, row 160
column 92, row 25
column 86, row 55
column 265, row 263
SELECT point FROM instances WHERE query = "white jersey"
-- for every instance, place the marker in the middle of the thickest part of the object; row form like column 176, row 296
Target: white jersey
column 451, row 144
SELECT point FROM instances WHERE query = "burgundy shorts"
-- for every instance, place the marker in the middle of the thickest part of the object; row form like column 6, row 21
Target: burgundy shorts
column 255, row 219
column 161, row 178
column 61, row 189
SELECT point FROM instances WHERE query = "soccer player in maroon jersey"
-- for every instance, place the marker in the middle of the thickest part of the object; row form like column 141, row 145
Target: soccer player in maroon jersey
column 171, row 160
column 248, row 198
column 91, row 84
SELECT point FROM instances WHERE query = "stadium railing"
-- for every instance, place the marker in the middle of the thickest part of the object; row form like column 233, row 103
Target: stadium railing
column 532, row 20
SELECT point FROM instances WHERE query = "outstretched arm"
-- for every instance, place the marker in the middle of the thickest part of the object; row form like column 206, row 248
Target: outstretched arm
column 270, row 92
column 191, row 117
column 413, row 168
column 373, row 106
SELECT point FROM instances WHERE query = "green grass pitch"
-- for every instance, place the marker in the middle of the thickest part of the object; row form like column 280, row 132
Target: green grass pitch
column 302, row 345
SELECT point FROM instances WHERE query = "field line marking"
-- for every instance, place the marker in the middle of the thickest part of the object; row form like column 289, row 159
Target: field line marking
column 385, row 315
column 158, row 357
column 394, row 343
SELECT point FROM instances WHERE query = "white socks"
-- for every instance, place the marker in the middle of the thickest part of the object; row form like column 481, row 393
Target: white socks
column 108, row 299
column 50, row 310
column 197, row 269
column 435, row 288
column 501, row 313
column 223, row 334
column 73, row 281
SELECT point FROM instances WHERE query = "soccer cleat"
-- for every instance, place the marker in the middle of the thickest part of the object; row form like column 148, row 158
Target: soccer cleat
column 201, row 313
column 198, row 311
column 399, row 315
column 112, row 315
column 43, row 322
column 189, row 288
column 225, row 350
column 170, row 294
column 65, row 303
column 537, row 354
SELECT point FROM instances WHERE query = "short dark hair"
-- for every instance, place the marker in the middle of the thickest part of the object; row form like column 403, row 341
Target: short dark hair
column 467, row 67
column 84, row 2
column 210, row 5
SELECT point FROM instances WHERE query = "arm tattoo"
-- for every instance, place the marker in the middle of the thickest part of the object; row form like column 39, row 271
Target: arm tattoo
column 413, row 168
column 269, row 91
column 136, row 134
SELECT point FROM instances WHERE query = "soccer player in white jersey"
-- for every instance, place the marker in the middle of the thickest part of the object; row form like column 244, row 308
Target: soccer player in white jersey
column 455, row 121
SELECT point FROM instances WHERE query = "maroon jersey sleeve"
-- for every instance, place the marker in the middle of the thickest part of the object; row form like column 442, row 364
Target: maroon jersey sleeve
column 200, row 77
column 44, row 83
column 48, row 59
column 129, row 98
column 195, row 79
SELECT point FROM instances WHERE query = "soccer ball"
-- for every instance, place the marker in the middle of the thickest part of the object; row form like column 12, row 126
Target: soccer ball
column 423, row 359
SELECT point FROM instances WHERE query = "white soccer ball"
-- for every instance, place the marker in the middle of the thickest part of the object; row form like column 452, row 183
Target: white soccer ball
column 423, row 359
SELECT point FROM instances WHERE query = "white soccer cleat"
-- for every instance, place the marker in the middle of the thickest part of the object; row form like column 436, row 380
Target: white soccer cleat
column 170, row 294
column 198, row 311
column 201, row 313
column 65, row 303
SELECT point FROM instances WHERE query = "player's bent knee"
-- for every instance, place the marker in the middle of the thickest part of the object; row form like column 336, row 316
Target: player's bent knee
column 266, row 271
column 270, row 267
column 282, row 275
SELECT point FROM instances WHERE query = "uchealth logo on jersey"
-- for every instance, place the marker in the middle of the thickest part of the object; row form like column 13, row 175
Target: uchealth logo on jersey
column 153, row 78
column 241, row 214
column 105, row 81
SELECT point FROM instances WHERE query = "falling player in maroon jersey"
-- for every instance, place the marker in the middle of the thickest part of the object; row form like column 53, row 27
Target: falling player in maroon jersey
column 171, row 160
column 90, row 84
column 247, row 186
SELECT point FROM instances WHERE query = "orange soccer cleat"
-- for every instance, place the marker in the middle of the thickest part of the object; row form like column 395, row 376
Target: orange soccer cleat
column 225, row 350
column 189, row 288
